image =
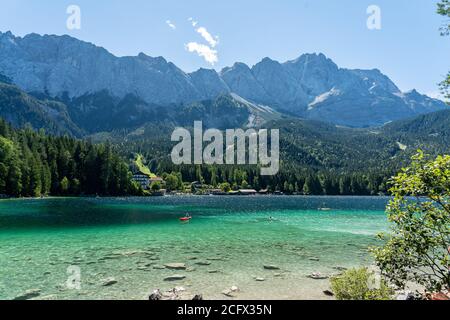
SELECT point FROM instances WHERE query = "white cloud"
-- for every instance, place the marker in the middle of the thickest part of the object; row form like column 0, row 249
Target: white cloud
column 204, row 51
column 171, row 25
column 193, row 22
column 208, row 37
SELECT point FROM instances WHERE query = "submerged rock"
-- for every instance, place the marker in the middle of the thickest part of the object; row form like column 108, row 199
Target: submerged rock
column 215, row 259
column 176, row 266
column 158, row 267
column 340, row 268
column 143, row 268
column 175, row 277
column 271, row 267
column 278, row 275
column 29, row 294
column 229, row 293
column 314, row 259
column 109, row 282
column 260, row 279
column 203, row 263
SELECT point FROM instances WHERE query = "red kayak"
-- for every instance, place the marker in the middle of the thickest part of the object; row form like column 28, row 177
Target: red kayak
column 185, row 219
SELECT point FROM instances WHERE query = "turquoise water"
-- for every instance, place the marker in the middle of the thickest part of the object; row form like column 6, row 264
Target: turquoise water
column 131, row 239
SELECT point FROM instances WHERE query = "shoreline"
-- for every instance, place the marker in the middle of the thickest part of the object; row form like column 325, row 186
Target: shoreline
column 195, row 195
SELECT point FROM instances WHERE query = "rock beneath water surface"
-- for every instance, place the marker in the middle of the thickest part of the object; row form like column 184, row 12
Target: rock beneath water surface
column 340, row 268
column 176, row 266
column 271, row 267
column 175, row 277
column 109, row 282
column 215, row 259
column 29, row 294
column 158, row 267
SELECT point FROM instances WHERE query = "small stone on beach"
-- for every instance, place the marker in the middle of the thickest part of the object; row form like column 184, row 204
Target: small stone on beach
column 317, row 276
column 328, row 293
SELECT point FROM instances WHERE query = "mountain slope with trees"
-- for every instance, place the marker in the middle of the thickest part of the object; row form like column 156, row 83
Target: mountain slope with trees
column 35, row 164
column 20, row 108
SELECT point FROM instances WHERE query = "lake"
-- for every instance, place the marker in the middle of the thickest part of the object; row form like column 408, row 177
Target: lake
column 228, row 242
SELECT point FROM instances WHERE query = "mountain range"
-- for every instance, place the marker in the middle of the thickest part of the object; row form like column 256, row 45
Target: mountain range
column 97, row 91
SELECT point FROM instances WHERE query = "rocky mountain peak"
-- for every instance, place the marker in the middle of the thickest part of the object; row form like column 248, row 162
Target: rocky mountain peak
column 311, row 86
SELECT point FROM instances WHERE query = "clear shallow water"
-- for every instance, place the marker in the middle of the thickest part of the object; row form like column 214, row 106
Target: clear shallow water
column 129, row 238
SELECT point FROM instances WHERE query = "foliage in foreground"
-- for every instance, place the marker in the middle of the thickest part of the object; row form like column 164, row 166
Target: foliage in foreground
column 418, row 250
column 444, row 10
column 360, row 284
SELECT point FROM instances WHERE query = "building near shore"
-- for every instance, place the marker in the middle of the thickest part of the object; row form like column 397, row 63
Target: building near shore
column 145, row 181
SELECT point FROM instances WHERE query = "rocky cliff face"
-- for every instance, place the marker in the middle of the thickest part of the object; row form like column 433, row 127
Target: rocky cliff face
column 208, row 83
column 311, row 86
column 314, row 87
column 56, row 65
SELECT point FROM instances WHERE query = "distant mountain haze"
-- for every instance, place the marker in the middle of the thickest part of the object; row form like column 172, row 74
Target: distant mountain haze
column 310, row 87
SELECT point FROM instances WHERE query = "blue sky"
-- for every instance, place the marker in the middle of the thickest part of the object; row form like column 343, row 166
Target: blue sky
column 408, row 47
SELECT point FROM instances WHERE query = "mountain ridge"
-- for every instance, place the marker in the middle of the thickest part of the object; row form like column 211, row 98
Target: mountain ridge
column 311, row 86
